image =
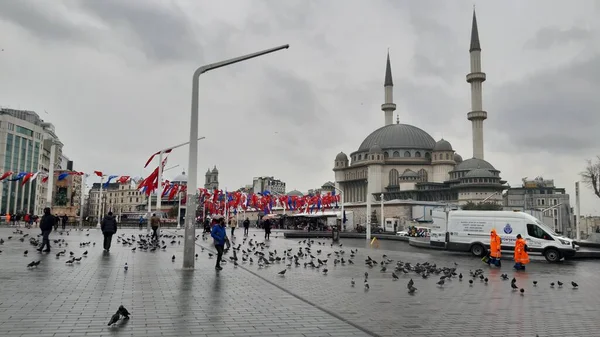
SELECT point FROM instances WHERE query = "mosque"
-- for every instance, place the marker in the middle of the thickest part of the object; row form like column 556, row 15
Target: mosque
column 403, row 162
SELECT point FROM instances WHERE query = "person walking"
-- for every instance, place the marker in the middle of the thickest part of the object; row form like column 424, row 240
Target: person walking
column 233, row 225
column 46, row 225
column 109, row 228
column 141, row 222
column 521, row 256
column 495, row 249
column 65, row 219
column 246, row 226
column 155, row 223
column 56, row 222
column 219, row 234
column 267, row 228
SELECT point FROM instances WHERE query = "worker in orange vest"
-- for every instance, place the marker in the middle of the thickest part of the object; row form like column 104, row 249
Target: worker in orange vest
column 495, row 249
column 521, row 256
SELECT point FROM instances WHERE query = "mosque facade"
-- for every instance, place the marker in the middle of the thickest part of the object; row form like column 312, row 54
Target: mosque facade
column 403, row 162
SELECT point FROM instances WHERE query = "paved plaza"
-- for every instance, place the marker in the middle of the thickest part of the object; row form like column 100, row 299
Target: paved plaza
column 57, row 299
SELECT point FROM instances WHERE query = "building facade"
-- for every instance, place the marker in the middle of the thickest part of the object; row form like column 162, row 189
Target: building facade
column 117, row 198
column 66, row 194
column 25, row 143
column 402, row 162
column 211, row 179
column 543, row 199
column 260, row 184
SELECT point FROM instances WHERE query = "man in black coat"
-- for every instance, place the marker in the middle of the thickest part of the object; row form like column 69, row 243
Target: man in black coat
column 108, row 227
column 46, row 224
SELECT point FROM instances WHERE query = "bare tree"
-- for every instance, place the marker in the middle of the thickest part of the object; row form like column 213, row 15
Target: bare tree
column 591, row 175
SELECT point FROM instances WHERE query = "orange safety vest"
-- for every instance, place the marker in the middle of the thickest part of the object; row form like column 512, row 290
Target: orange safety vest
column 495, row 244
column 521, row 255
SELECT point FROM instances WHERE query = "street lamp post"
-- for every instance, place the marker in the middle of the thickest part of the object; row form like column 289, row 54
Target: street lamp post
column 82, row 199
column 190, row 214
column 342, row 204
column 382, row 221
column 50, row 174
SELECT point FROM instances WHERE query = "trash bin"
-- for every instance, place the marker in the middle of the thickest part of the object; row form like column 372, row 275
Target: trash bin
column 335, row 234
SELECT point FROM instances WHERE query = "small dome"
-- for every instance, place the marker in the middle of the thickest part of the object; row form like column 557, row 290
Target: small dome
column 180, row 179
column 341, row 157
column 479, row 173
column 443, row 145
column 214, row 170
column 457, row 158
column 410, row 174
column 295, row 193
column 328, row 184
column 207, row 172
column 473, row 163
column 375, row 149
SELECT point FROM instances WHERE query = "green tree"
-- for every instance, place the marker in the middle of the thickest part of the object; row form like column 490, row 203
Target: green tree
column 482, row 206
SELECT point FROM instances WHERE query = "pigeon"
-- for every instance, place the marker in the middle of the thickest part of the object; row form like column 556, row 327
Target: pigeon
column 126, row 266
column 440, row 283
column 123, row 312
column 367, row 286
column 575, row 285
column 210, row 255
column 471, row 282
column 485, row 280
column 114, row 318
column 173, row 258
column 522, row 291
column 352, row 282
column 534, row 283
column 551, row 284
column 282, row 272
column 560, row 284
column 25, row 253
column 325, row 271
column 196, row 255
column 394, row 276
column 460, row 277
column 411, row 290
column 410, row 283
column 514, row 286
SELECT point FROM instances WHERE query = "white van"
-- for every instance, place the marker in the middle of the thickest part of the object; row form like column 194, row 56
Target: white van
column 470, row 231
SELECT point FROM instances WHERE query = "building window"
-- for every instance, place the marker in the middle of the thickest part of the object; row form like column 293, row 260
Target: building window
column 406, row 154
column 24, row 131
column 396, row 154
column 447, row 156
column 10, row 126
column 435, row 157
column 427, row 155
column 418, row 154
column 422, row 175
column 393, row 177
column 360, row 157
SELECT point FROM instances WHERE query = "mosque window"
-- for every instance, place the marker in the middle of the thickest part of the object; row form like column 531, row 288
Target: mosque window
column 359, row 156
column 406, row 154
column 418, row 154
column 396, row 154
column 386, row 155
column 447, row 156
column 393, row 177
column 435, row 156
column 427, row 155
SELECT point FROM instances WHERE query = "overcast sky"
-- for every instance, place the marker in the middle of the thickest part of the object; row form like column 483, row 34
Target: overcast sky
column 115, row 79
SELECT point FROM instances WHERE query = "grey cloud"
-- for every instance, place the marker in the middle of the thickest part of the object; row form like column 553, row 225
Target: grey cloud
column 552, row 36
column 162, row 28
column 40, row 21
column 554, row 111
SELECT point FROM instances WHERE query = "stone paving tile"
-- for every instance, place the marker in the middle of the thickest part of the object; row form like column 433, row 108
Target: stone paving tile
column 457, row 309
column 56, row 299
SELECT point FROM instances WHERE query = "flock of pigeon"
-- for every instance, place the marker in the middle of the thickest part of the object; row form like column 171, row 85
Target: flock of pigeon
column 310, row 254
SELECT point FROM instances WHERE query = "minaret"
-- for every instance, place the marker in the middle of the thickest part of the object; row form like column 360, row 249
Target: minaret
column 476, row 78
column 388, row 107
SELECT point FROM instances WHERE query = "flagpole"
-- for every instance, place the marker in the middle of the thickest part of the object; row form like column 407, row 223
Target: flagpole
column 179, row 209
column 99, row 201
column 82, row 200
column 149, row 215
column 50, row 176
column 159, row 187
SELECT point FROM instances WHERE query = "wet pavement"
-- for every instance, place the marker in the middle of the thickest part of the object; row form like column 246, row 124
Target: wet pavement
column 59, row 300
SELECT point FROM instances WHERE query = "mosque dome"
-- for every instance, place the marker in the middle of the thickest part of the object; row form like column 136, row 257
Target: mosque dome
column 214, row 170
column 182, row 178
column 457, row 158
column 375, row 149
column 443, row 145
column 341, row 157
column 295, row 193
column 473, row 163
column 479, row 173
column 394, row 136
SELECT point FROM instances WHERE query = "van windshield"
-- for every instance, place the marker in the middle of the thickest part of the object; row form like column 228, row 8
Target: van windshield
column 545, row 227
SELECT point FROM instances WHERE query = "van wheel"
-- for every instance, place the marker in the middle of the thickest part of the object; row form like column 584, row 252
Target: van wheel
column 477, row 250
column 552, row 255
